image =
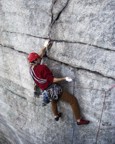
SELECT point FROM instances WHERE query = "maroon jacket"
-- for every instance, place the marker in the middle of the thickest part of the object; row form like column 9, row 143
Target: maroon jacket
column 42, row 76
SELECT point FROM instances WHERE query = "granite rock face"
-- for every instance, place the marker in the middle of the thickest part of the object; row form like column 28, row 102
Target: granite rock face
column 83, row 34
column 87, row 22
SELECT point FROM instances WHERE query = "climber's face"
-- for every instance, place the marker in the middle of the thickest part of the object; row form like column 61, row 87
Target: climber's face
column 37, row 61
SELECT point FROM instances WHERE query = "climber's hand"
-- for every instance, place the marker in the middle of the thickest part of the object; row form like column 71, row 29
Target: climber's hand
column 68, row 79
column 46, row 43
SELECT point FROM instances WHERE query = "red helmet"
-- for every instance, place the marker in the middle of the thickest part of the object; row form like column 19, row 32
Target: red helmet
column 33, row 56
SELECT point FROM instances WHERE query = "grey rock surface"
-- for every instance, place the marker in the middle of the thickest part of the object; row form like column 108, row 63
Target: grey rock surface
column 88, row 22
column 30, row 17
column 84, row 49
column 86, row 57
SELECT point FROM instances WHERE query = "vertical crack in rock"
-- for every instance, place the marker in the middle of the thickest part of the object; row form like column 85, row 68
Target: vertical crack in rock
column 54, row 19
column 52, row 16
column 58, row 16
column 59, row 13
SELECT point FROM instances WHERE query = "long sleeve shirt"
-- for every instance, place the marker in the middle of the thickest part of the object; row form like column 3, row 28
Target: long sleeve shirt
column 42, row 76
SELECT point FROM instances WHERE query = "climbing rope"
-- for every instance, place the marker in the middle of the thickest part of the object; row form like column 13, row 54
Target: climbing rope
column 107, row 93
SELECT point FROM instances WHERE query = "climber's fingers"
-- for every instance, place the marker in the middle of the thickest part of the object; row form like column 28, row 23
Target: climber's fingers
column 68, row 79
column 46, row 43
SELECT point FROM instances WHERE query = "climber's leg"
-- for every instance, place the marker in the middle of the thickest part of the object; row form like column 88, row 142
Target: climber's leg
column 55, row 110
column 73, row 103
column 67, row 97
column 54, row 107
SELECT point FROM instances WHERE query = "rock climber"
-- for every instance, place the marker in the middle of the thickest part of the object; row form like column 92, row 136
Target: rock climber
column 51, row 90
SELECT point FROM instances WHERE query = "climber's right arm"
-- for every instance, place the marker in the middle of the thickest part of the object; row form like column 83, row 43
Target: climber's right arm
column 68, row 79
column 56, row 80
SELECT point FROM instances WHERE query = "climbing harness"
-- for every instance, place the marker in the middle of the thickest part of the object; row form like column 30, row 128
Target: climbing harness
column 37, row 91
column 53, row 92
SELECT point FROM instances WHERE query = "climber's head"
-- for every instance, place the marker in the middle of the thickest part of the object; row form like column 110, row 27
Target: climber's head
column 34, row 58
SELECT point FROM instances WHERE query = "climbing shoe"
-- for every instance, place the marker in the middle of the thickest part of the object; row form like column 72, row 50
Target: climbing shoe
column 57, row 117
column 83, row 122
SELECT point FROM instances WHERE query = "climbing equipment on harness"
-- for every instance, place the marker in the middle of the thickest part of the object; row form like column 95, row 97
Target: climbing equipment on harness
column 51, row 93
column 46, row 98
column 37, row 91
